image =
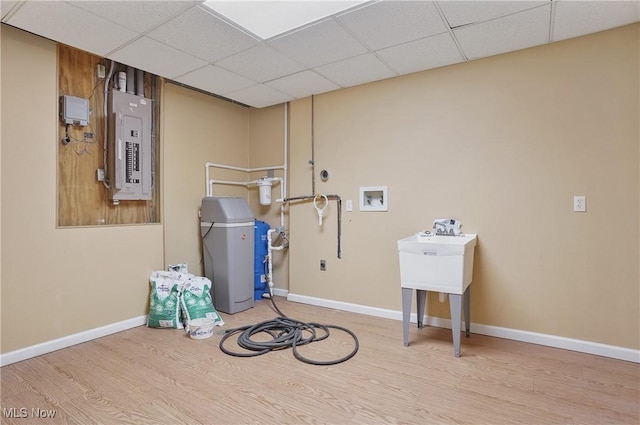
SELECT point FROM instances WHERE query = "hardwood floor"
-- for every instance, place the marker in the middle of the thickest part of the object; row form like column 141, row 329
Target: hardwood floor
column 152, row 376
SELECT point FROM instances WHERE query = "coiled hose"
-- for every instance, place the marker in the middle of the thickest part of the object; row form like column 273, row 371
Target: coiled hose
column 285, row 333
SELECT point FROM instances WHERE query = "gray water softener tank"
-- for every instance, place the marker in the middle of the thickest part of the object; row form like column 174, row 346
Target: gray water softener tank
column 227, row 231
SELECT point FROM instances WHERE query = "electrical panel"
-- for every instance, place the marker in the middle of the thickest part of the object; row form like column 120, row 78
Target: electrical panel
column 129, row 147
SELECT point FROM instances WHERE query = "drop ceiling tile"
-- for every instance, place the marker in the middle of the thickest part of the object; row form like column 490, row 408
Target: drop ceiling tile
column 138, row 16
column 388, row 23
column 87, row 31
column 459, row 13
column 519, row 31
column 357, row 70
column 261, row 63
column 5, row 7
column 302, row 84
column 214, row 79
column 573, row 18
column 319, row 44
column 157, row 58
column 427, row 53
column 201, row 34
column 259, row 96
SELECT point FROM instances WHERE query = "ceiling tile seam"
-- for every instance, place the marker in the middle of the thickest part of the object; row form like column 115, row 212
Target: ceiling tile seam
column 206, row 65
column 362, row 43
column 145, row 34
column 450, row 31
column 164, row 21
column 14, row 9
column 385, row 63
column 318, row 73
column 471, row 24
column 352, row 34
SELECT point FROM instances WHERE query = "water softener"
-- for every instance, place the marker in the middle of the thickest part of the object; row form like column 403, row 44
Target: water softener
column 260, row 259
column 227, row 231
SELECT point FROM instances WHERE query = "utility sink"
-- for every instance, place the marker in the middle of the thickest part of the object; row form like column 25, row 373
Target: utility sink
column 437, row 263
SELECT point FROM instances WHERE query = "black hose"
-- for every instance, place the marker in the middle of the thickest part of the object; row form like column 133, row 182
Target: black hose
column 285, row 333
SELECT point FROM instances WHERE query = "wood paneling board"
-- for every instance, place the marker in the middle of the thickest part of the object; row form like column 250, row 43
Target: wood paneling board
column 82, row 199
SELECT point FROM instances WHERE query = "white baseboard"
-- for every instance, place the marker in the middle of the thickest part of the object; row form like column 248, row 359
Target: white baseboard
column 587, row 347
column 68, row 341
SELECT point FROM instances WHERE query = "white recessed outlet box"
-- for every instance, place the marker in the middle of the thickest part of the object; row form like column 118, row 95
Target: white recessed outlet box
column 374, row 198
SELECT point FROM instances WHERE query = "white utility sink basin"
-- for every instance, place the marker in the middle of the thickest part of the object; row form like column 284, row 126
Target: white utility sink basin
column 441, row 264
column 437, row 263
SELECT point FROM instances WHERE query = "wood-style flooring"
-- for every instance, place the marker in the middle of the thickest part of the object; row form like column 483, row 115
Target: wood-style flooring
column 153, row 376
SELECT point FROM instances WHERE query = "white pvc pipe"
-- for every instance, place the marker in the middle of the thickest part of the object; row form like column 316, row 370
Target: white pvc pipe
column 283, row 187
column 271, row 248
column 207, row 180
column 240, row 183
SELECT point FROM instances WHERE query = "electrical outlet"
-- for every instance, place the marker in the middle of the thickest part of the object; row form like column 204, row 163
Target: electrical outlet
column 100, row 174
column 349, row 205
column 323, row 265
column 579, row 203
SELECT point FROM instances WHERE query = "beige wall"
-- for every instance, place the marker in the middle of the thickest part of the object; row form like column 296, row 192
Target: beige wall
column 502, row 144
column 197, row 128
column 55, row 282
column 267, row 148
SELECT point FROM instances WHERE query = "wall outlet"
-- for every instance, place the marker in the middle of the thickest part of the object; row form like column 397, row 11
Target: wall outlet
column 579, row 203
column 349, row 205
column 100, row 174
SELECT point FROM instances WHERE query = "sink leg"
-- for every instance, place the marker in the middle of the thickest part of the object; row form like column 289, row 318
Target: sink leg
column 421, row 297
column 467, row 315
column 406, row 314
column 455, row 306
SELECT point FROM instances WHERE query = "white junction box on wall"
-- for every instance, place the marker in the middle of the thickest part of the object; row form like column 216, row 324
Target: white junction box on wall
column 129, row 147
column 74, row 110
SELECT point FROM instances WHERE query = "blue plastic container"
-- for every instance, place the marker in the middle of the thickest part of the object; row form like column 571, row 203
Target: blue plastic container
column 260, row 259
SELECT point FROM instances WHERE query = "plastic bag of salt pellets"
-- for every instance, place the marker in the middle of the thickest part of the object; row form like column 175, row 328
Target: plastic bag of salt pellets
column 179, row 268
column 164, row 307
column 196, row 301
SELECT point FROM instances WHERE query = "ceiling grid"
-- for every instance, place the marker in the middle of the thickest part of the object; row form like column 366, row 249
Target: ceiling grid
column 351, row 43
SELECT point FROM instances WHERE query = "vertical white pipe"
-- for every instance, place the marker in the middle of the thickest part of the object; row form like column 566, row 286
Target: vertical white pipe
column 283, row 186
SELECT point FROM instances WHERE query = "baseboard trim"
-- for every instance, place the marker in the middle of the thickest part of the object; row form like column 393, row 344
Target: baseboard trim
column 588, row 347
column 68, row 341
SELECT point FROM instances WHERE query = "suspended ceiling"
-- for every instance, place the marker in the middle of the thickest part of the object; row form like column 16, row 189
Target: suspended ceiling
column 189, row 43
